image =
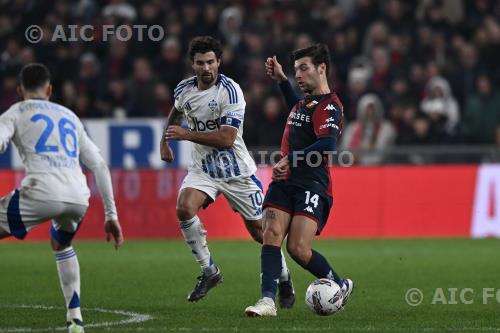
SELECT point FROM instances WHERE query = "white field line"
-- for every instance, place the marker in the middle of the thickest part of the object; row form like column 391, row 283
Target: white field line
column 132, row 318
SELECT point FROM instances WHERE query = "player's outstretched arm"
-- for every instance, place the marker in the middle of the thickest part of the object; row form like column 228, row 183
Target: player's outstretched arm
column 275, row 71
column 174, row 118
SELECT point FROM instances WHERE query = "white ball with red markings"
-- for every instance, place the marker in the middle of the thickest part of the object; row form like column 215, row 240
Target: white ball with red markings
column 324, row 297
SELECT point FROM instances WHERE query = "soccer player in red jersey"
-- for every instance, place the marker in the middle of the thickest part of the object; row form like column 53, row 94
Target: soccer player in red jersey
column 299, row 198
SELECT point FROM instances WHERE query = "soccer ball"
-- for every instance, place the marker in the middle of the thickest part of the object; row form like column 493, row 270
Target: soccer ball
column 324, row 297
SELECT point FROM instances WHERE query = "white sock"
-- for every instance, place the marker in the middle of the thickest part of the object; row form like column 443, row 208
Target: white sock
column 196, row 237
column 284, row 268
column 69, row 278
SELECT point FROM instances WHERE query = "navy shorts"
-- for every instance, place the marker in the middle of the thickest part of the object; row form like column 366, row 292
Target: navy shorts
column 296, row 200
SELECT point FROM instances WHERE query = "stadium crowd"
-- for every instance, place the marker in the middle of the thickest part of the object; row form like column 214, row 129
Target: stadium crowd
column 408, row 72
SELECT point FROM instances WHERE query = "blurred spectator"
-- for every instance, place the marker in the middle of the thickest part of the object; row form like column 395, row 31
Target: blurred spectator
column 441, row 107
column 163, row 98
column 231, row 19
column 141, row 89
column 8, row 94
column 69, row 95
column 272, row 123
column 171, row 60
column 121, row 9
column 377, row 35
column 421, row 133
column 358, row 86
column 370, row 132
column 464, row 75
column 88, row 86
column 382, row 75
column 482, row 113
column 115, row 100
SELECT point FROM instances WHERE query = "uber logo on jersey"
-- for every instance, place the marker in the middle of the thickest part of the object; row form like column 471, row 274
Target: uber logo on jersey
column 212, row 105
column 199, row 125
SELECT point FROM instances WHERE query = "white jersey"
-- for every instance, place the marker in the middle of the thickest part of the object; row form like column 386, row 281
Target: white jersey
column 51, row 141
column 206, row 110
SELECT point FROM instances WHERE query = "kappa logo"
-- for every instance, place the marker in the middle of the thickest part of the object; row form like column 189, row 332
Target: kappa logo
column 330, row 107
column 187, row 106
column 309, row 209
column 212, row 105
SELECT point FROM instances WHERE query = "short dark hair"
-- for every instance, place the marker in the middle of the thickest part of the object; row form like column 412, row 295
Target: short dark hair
column 34, row 76
column 204, row 44
column 319, row 53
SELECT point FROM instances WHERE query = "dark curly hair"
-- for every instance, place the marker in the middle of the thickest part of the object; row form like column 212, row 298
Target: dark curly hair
column 204, row 44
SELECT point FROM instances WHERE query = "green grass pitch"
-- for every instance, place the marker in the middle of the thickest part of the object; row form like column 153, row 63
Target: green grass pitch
column 152, row 278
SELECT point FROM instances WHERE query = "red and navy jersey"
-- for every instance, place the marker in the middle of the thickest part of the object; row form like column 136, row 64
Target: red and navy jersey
column 312, row 118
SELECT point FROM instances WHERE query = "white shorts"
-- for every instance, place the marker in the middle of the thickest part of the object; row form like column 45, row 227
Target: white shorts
column 245, row 195
column 19, row 214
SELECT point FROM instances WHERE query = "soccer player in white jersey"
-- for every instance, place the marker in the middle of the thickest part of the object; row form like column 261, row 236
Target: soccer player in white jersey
column 51, row 141
column 214, row 107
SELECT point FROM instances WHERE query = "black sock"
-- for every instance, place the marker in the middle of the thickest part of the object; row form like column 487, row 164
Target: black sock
column 320, row 268
column 271, row 270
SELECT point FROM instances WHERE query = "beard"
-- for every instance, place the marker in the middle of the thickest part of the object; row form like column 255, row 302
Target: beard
column 207, row 78
column 307, row 89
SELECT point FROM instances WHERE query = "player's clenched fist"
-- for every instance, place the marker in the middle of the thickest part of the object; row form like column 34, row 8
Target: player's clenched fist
column 274, row 69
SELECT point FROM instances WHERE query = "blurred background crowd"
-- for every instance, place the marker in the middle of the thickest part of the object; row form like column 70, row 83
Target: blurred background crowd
column 408, row 72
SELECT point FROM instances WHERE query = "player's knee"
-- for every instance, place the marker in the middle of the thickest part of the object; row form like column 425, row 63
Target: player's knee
column 272, row 235
column 299, row 251
column 185, row 211
column 56, row 246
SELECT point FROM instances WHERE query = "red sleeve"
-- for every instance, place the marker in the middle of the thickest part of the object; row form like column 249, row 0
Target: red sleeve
column 328, row 118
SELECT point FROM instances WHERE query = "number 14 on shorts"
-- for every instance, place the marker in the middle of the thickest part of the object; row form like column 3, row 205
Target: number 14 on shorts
column 312, row 199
